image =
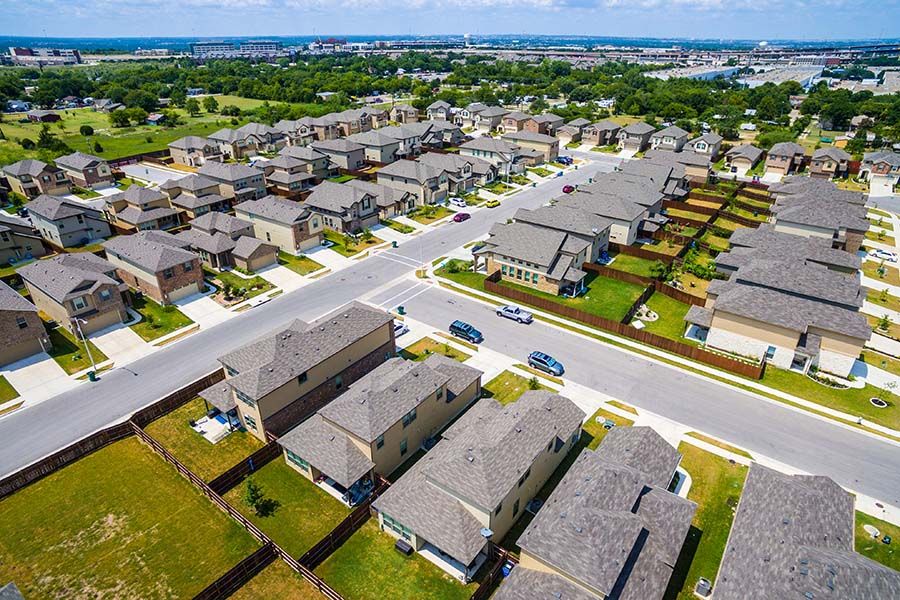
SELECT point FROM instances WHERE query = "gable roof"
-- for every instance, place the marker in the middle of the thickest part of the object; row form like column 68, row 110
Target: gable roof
column 229, row 172
column 489, row 144
column 786, row 149
column 190, row 183
column 531, row 136
column 373, row 138
column 304, row 153
column 12, row 300
column 639, row 128
column 247, row 247
column 29, row 166
column 62, row 276
column 217, row 221
column 327, row 449
column 334, row 197
column 564, row 218
column 748, row 151
column 340, row 145
column 710, row 138
column 191, row 142
column 831, row 152
column 671, row 131
column 385, row 196
column 275, row 209
column 154, row 251
column 411, row 169
column 79, row 161
column 53, row 208
column 529, row 584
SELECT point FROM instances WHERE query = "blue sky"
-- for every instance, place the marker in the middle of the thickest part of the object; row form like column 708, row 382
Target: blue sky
column 745, row 19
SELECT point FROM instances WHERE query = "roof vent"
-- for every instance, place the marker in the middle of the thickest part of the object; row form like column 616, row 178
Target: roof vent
column 331, row 438
column 470, row 458
column 578, row 530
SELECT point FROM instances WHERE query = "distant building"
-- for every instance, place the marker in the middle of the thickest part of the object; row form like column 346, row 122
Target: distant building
column 33, row 57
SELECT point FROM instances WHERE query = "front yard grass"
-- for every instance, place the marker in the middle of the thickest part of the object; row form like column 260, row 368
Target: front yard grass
column 635, row 265
column 506, row 387
column 157, row 320
column 119, row 523
column 718, row 444
column 716, row 488
column 277, row 581
column 254, row 285
column 880, row 213
column 350, row 247
column 425, row 347
column 68, row 352
column 466, row 278
column 880, row 237
column 84, row 193
column 871, row 269
column 302, row 265
column 884, row 300
column 671, row 313
column 302, row 513
column 610, row 149
column 881, row 222
column 540, row 373
column 200, row 456
column 498, row 187
column 541, row 171
column 367, row 567
column 7, row 391
column 881, row 361
column 426, row 215
column 891, row 329
column 398, row 227
column 875, row 549
column 605, row 297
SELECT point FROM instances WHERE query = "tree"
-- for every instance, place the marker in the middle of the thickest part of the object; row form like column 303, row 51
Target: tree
column 192, row 107
column 884, row 323
column 534, row 384
column 253, row 495
column 366, row 235
column 49, row 141
column 119, row 118
column 210, row 104
column 98, row 148
column 231, row 111
column 86, row 130
column 27, row 144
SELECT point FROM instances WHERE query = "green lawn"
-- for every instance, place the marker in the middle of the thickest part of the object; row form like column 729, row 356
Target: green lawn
column 880, row 213
column 85, row 194
column 119, row 523
column 717, row 242
column 605, row 297
column 726, row 224
column 127, row 182
column 671, row 317
column 498, row 187
column 350, row 248
column 302, row 265
column 716, row 488
column 610, row 149
column 633, row 264
column 881, row 361
column 200, row 456
column 466, row 278
column 157, row 320
column 887, row 300
column 427, row 215
column 253, row 286
column 303, row 514
column 539, row 373
column 872, row 269
column 399, row 227
column 425, row 347
column 892, row 330
column 541, row 171
column 342, row 178
column 742, row 212
column 880, row 237
column 277, row 581
column 687, row 214
column 754, row 202
column 886, row 554
column 883, row 223
column 704, row 203
column 7, row 391
column 506, row 387
column 367, row 567
column 718, row 444
column 69, row 353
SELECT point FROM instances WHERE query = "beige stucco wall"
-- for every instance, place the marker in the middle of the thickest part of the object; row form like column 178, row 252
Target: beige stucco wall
column 528, row 561
column 804, row 230
column 747, row 337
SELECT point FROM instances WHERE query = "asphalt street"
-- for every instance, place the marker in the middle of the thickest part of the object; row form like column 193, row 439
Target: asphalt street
column 856, row 461
column 34, row 432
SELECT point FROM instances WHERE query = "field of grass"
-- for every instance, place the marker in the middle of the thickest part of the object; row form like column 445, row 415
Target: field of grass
column 870, row 268
column 301, row 515
column 302, row 265
column 157, row 320
column 671, row 313
column 203, row 458
column 277, row 581
column 7, row 391
column 635, row 265
column 716, row 488
column 69, row 353
column 119, row 523
column 605, row 297
column 506, row 387
column 886, row 554
column 425, row 347
column 367, row 567
column 352, row 248
column 427, row 216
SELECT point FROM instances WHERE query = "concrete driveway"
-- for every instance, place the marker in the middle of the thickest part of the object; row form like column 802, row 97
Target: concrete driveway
column 121, row 344
column 329, row 258
column 880, row 187
column 281, row 276
column 203, row 310
column 37, row 378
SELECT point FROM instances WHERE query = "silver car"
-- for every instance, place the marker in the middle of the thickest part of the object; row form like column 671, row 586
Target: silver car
column 515, row 313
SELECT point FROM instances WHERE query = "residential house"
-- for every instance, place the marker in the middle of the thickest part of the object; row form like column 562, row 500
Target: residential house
column 612, row 503
column 427, row 183
column 378, row 148
column 86, row 170
column 489, row 118
column 408, row 138
column 64, row 223
column 306, row 130
column 696, row 166
column 194, row 150
column 237, row 182
column 668, row 176
column 568, row 134
column 31, row 178
column 635, row 136
column 343, row 153
column 251, row 254
column 580, row 224
column 79, row 286
column 602, row 133
column 139, row 208
column 625, row 216
column 19, row 240
column 404, row 113
column 224, row 241
column 708, row 144
column 637, row 187
column 287, row 224
column 793, row 313
column 105, row 105
column 379, row 423
column 513, row 121
column 463, row 172
column 378, row 117
column 157, row 264
column 784, row 158
column 546, row 145
column 356, row 120
column 288, row 176
column 829, row 162
column 438, row 134
column 390, row 201
column 793, row 537
column 764, row 242
column 478, row 480
column 21, row 328
column 194, row 195
column 820, row 209
column 670, row 138
column 438, row 110
column 249, row 139
column 502, row 154
column 742, row 158
column 317, row 163
column 285, row 376
column 537, row 257
column 547, row 123
column 343, row 208
column 466, row 117
column 215, row 222
column 42, row 116
column 882, row 166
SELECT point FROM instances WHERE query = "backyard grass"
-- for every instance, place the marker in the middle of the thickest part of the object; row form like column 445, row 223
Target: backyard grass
column 302, row 514
column 716, row 488
column 671, row 313
column 703, row 203
column 425, row 347
column 687, row 214
column 718, row 444
column 541, row 171
column 747, row 214
column 880, row 237
column 157, row 320
column 726, row 224
column 119, row 523
column 7, row 391
column 871, row 268
column 605, row 297
column 427, row 216
column 302, row 265
column 635, row 265
column 753, row 202
column 200, row 456
column 717, row 242
column 127, row 182
column 693, row 285
column 350, row 248
column 367, row 567
column 685, row 230
column 342, row 178
column 277, row 581
column 254, row 286
column 398, row 227
column 667, row 247
column 883, row 223
column 506, row 387
column 887, row 300
column 69, row 353
column 886, row 554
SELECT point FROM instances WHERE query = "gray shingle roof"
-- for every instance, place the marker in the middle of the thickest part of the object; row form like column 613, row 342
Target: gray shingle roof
column 528, row 584
column 562, row 218
column 53, row 207
column 304, row 153
column 79, row 161
column 547, row 118
column 341, row 145
column 214, row 244
column 639, row 128
column 763, row 242
column 278, row 357
column 411, row 169
column 792, row 537
column 453, row 163
column 460, row 376
column 489, row 144
column 59, row 277
column 327, row 449
column 831, row 152
column 493, row 111
column 229, row 172
column 710, row 138
column 671, row 131
column 748, row 151
column 668, row 157
column 10, row 592
column 136, row 216
column 530, row 136
column 219, row 395
column 190, row 183
column 275, row 209
column 384, row 196
column 891, row 158
column 643, row 449
column 438, row 104
column 373, row 138
column 334, row 197
column 29, row 166
column 193, row 202
column 659, row 173
column 579, row 122
column 216, row 221
column 154, row 251
column 821, row 211
column 191, row 142
column 10, row 299
column 533, row 244
column 604, row 205
column 248, row 247
column 786, row 149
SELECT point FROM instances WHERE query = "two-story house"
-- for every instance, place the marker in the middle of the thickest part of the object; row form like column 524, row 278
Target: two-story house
column 546, row 123
column 502, row 154
column 707, row 144
column 21, row 329
column 580, row 224
column 64, row 223
column 438, row 110
column 671, row 138
column 390, row 201
column 194, row 150
column 463, row 172
column 139, row 208
column 829, row 162
column 513, row 121
column 317, row 163
column 465, row 117
column 635, row 137
column 288, row 176
column 742, row 158
column 546, row 145
column 287, row 224
column 601, row 133
column 342, row 153
column 342, row 208
column 378, row 148
column 881, row 167
column 427, row 183
column 784, row 158
column 237, row 182
column 31, row 178
column 86, row 170
column 404, row 113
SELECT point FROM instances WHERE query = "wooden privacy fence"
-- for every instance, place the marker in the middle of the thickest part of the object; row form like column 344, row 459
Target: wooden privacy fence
column 617, row 274
column 640, row 252
column 490, row 582
column 695, row 195
column 176, row 399
column 236, row 474
column 751, row 207
column 240, row 574
column 700, row 210
column 688, row 222
column 739, row 219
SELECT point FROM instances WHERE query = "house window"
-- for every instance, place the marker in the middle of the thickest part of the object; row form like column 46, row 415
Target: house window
column 770, row 352
column 440, row 393
column 516, row 507
column 105, row 295
column 231, row 372
column 250, row 422
column 503, row 269
column 244, row 398
column 188, row 267
column 498, row 509
column 302, row 377
column 168, row 274
column 296, row 459
column 79, row 303
column 21, row 322
column 338, row 382
column 379, row 441
column 534, row 278
column 403, row 447
column 395, row 526
column 524, row 477
column 268, row 237
column 409, row 417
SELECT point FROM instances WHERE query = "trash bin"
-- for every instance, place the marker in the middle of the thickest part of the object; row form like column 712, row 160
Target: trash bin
column 394, row 244
column 92, row 376
column 401, row 310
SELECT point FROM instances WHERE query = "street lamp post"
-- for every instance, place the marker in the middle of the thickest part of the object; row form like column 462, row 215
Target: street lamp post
column 87, row 348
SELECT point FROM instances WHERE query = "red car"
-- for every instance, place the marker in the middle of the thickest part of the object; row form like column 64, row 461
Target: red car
column 568, row 189
column 461, row 216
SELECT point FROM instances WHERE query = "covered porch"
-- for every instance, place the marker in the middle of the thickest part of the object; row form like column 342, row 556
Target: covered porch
column 221, row 417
